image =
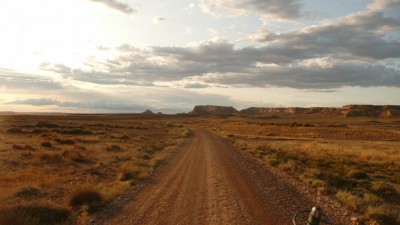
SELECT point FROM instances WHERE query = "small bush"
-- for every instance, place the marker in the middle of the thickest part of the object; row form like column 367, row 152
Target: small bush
column 18, row 147
column 65, row 141
column 88, row 196
column 38, row 131
column 357, row 174
column 273, row 162
column 47, row 124
column 348, row 198
column 34, row 215
column 382, row 188
column 52, row 158
column 76, row 132
column 25, row 147
column 383, row 214
column 113, row 148
column 131, row 174
column 125, row 137
column 27, row 192
column 371, row 200
column 288, row 166
column 46, row 144
column 15, row 130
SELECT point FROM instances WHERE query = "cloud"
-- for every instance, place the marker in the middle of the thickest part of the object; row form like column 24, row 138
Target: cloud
column 15, row 80
column 113, row 4
column 35, row 102
column 58, row 68
column 103, row 48
column 118, row 106
column 382, row 4
column 167, row 100
column 195, row 85
column 357, row 35
column 294, row 63
column 271, row 9
column 340, row 74
column 349, row 51
column 158, row 19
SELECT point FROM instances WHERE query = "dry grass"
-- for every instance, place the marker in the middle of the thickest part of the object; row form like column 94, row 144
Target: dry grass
column 76, row 163
column 34, row 214
column 356, row 160
column 87, row 196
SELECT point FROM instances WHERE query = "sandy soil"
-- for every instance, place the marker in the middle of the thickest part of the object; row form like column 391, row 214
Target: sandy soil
column 209, row 182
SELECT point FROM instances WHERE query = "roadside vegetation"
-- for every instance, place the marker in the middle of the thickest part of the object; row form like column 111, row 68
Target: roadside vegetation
column 61, row 169
column 356, row 161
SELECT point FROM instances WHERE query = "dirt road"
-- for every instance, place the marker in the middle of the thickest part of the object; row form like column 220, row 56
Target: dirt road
column 208, row 182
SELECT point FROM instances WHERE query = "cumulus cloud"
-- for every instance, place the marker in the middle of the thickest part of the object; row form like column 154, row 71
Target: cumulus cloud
column 382, row 4
column 195, row 85
column 35, row 102
column 356, row 35
column 349, row 51
column 272, row 9
column 296, row 63
column 113, row 4
column 58, row 68
column 85, row 105
column 167, row 100
column 15, row 80
column 303, row 77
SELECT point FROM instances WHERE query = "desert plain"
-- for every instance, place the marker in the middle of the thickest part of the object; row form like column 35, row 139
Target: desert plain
column 198, row 168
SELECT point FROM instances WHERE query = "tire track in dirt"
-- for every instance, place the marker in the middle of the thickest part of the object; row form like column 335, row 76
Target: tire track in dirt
column 208, row 182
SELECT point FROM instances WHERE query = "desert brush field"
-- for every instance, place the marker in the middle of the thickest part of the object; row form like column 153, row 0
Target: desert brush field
column 62, row 169
column 356, row 160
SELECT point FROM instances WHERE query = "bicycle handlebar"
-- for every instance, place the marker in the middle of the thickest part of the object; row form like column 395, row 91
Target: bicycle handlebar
column 315, row 217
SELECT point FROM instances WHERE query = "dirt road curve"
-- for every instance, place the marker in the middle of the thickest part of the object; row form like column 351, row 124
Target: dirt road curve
column 208, row 182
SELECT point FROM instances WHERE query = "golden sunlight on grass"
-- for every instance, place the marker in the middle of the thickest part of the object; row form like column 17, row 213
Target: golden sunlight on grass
column 355, row 160
column 72, row 166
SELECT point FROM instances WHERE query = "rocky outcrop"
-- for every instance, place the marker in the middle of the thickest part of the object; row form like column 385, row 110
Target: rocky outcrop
column 213, row 109
column 148, row 112
column 371, row 110
column 346, row 111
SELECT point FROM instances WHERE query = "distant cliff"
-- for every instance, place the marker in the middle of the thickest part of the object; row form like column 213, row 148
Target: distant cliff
column 371, row 110
column 213, row 109
column 345, row 111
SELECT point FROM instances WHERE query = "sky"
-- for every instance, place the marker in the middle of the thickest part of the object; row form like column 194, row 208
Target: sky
column 126, row 56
